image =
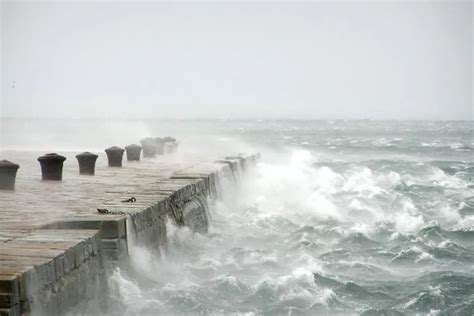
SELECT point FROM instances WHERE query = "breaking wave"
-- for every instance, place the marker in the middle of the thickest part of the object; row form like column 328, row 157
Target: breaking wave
column 312, row 234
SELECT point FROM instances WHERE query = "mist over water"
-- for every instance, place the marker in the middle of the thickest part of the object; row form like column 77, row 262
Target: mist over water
column 338, row 218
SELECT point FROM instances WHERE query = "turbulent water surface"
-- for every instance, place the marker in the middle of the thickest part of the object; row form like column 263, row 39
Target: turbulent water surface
column 338, row 218
column 372, row 218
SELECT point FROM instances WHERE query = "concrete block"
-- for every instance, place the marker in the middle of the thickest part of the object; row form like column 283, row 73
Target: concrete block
column 9, row 290
column 79, row 253
column 110, row 226
column 8, row 299
column 12, row 311
column 111, row 244
column 69, row 260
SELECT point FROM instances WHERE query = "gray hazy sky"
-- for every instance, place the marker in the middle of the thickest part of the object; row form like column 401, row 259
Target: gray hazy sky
column 397, row 60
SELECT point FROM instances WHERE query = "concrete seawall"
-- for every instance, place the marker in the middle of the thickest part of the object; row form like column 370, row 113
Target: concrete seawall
column 56, row 247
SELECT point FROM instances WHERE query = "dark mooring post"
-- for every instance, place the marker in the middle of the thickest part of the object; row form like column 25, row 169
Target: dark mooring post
column 87, row 163
column 52, row 166
column 160, row 145
column 8, row 171
column 133, row 152
column 149, row 147
column 114, row 155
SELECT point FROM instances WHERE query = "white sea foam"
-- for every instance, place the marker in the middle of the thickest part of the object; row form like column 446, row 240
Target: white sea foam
column 290, row 220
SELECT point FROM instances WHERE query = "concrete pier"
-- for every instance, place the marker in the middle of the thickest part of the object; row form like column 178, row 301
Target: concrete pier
column 57, row 238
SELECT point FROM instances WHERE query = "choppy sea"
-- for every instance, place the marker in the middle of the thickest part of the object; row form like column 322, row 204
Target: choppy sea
column 338, row 218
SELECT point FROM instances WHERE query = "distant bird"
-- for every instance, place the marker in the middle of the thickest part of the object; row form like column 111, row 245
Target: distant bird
column 13, row 84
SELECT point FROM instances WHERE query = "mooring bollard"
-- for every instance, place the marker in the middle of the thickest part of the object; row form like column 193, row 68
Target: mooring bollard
column 149, row 147
column 171, row 144
column 8, row 171
column 52, row 166
column 133, row 152
column 114, row 155
column 87, row 162
column 175, row 147
column 160, row 145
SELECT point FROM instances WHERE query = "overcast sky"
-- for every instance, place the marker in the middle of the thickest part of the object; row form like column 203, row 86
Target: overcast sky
column 397, row 60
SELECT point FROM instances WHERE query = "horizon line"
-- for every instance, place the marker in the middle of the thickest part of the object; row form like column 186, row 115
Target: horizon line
column 230, row 119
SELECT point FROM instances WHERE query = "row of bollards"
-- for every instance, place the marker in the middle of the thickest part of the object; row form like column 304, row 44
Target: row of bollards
column 52, row 164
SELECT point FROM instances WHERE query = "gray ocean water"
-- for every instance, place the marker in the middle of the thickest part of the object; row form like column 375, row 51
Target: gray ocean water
column 339, row 218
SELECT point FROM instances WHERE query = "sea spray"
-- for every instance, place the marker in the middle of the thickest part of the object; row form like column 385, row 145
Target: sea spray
column 368, row 225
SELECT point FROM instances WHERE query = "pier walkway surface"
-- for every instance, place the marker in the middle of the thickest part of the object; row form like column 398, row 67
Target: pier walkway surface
column 54, row 243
